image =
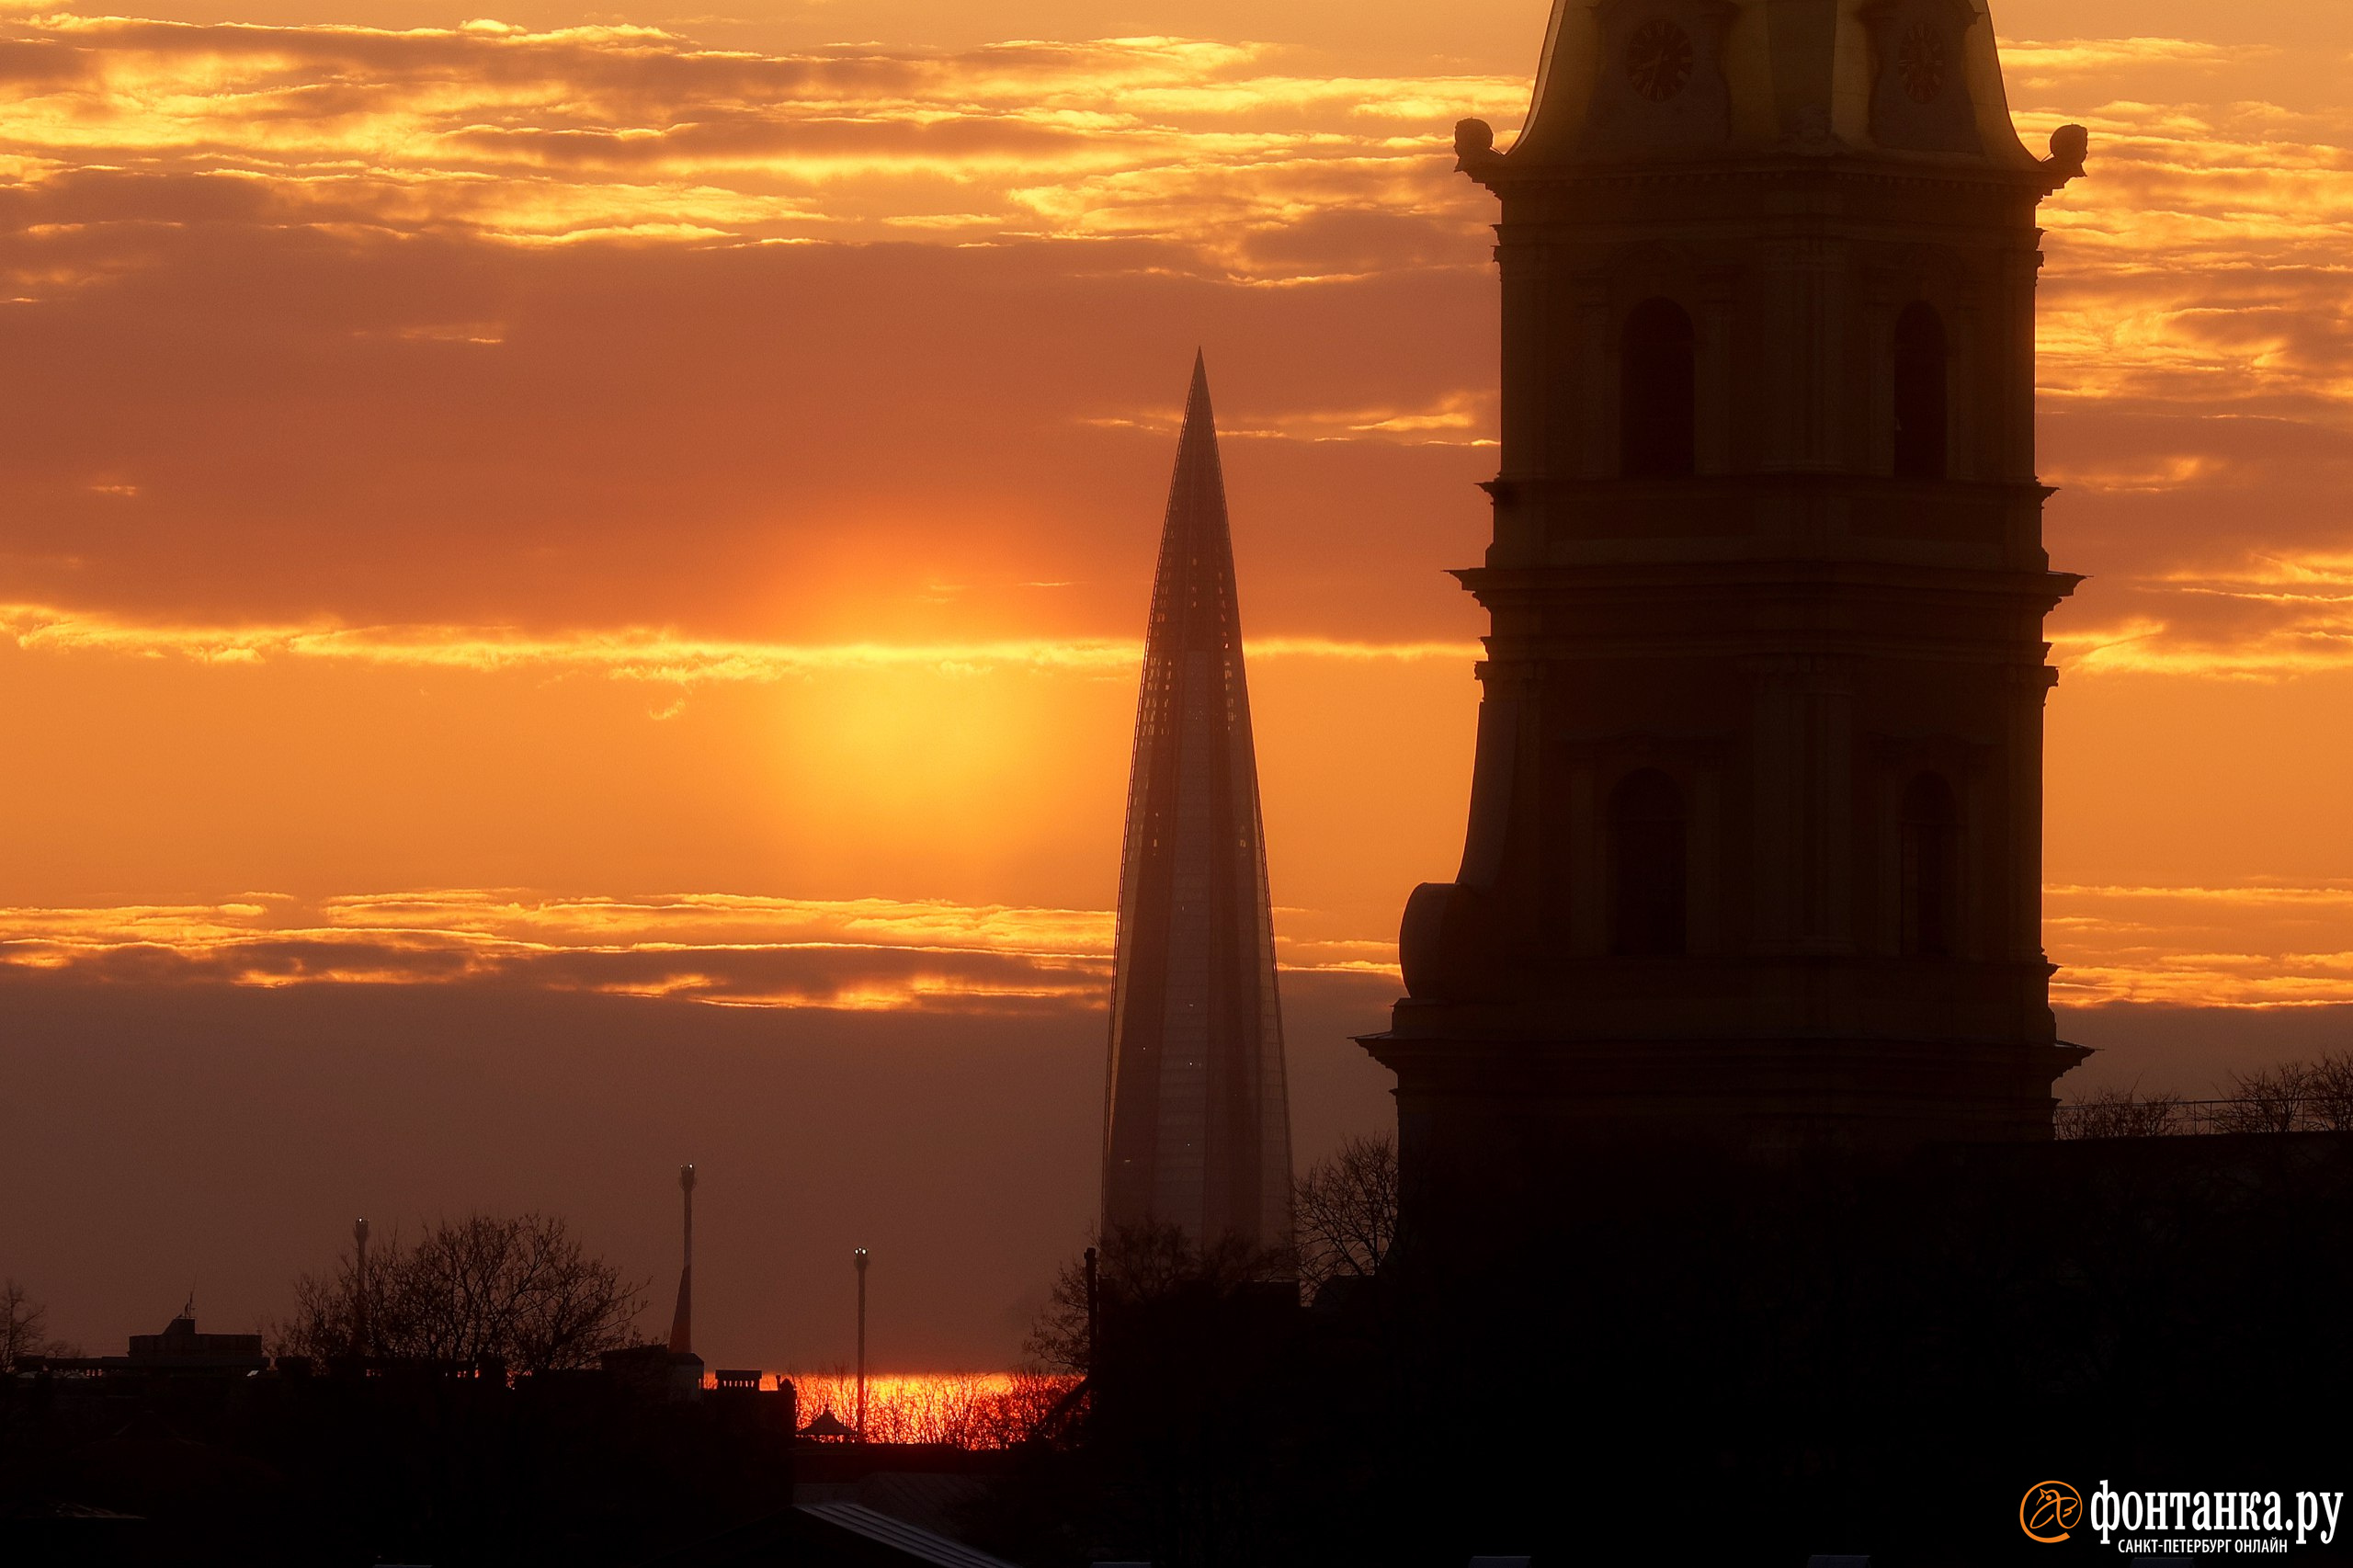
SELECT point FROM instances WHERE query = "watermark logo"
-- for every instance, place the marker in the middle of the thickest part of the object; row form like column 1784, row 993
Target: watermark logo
column 2153, row 1522
column 2141, row 1524
column 2050, row 1511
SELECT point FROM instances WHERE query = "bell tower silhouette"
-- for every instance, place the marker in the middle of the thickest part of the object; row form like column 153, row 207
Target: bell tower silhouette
column 1755, row 849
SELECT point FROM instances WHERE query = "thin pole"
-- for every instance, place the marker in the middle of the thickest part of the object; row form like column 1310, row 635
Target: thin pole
column 858, row 1257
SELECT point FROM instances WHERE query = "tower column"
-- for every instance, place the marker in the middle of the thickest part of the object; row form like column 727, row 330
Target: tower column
column 1753, row 857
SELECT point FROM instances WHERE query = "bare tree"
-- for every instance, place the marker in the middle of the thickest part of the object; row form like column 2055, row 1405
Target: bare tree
column 2328, row 1090
column 1142, row 1265
column 24, row 1328
column 521, row 1290
column 2272, row 1099
column 2121, row 1113
column 1345, row 1209
column 1060, row 1340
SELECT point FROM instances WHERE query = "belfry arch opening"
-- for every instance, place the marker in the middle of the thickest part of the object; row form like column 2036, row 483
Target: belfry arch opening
column 1923, row 393
column 1929, row 868
column 1658, row 393
column 1648, row 834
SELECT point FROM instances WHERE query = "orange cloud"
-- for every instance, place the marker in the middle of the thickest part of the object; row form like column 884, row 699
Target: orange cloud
column 2267, row 617
column 721, row 950
column 714, row 948
column 1453, row 419
column 2257, row 945
column 2251, row 944
column 616, row 133
column 2203, row 261
column 629, row 654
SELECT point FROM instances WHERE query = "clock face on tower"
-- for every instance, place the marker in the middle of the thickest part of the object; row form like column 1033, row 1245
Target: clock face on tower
column 1922, row 64
column 1658, row 59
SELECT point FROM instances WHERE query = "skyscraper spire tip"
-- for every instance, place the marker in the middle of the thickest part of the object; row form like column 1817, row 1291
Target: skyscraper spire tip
column 1197, row 397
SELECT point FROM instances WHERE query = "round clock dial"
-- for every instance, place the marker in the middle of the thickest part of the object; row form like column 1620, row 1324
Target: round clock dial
column 1922, row 64
column 1658, row 59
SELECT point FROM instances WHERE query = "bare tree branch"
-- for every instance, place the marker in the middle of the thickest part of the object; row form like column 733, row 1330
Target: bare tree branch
column 1346, row 1210
column 522, row 1289
column 2268, row 1100
column 2121, row 1113
column 1139, row 1266
column 24, row 1328
column 2328, row 1092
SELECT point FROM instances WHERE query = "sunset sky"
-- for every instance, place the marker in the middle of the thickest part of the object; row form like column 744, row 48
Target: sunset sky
column 608, row 551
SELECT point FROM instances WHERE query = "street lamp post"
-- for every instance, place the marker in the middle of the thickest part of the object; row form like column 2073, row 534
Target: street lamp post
column 1094, row 1317
column 362, row 1336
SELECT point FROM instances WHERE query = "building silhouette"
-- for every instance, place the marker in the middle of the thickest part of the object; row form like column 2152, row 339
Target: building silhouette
column 178, row 1352
column 1197, row 1121
column 1755, row 847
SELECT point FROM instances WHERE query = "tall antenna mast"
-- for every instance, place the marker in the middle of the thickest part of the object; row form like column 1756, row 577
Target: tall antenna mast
column 682, row 1322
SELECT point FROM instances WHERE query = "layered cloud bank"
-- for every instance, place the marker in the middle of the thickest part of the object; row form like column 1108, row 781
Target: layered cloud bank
column 621, row 131
column 287, row 214
column 2265, row 618
column 723, row 949
column 2252, row 946
column 2259, row 947
column 599, row 457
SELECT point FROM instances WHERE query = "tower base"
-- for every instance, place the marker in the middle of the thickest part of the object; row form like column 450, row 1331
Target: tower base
column 1509, row 1144
column 1481, row 1098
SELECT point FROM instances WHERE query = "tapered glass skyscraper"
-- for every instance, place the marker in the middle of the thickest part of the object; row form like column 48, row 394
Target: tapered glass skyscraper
column 1198, row 1119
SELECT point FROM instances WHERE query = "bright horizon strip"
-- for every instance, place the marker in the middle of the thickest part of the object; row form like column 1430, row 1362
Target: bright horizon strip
column 928, row 1406
column 626, row 654
column 2295, row 633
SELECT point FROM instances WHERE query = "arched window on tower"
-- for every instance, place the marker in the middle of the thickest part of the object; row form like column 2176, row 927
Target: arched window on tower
column 1923, row 393
column 1658, row 391
column 1646, row 866
column 1931, row 867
